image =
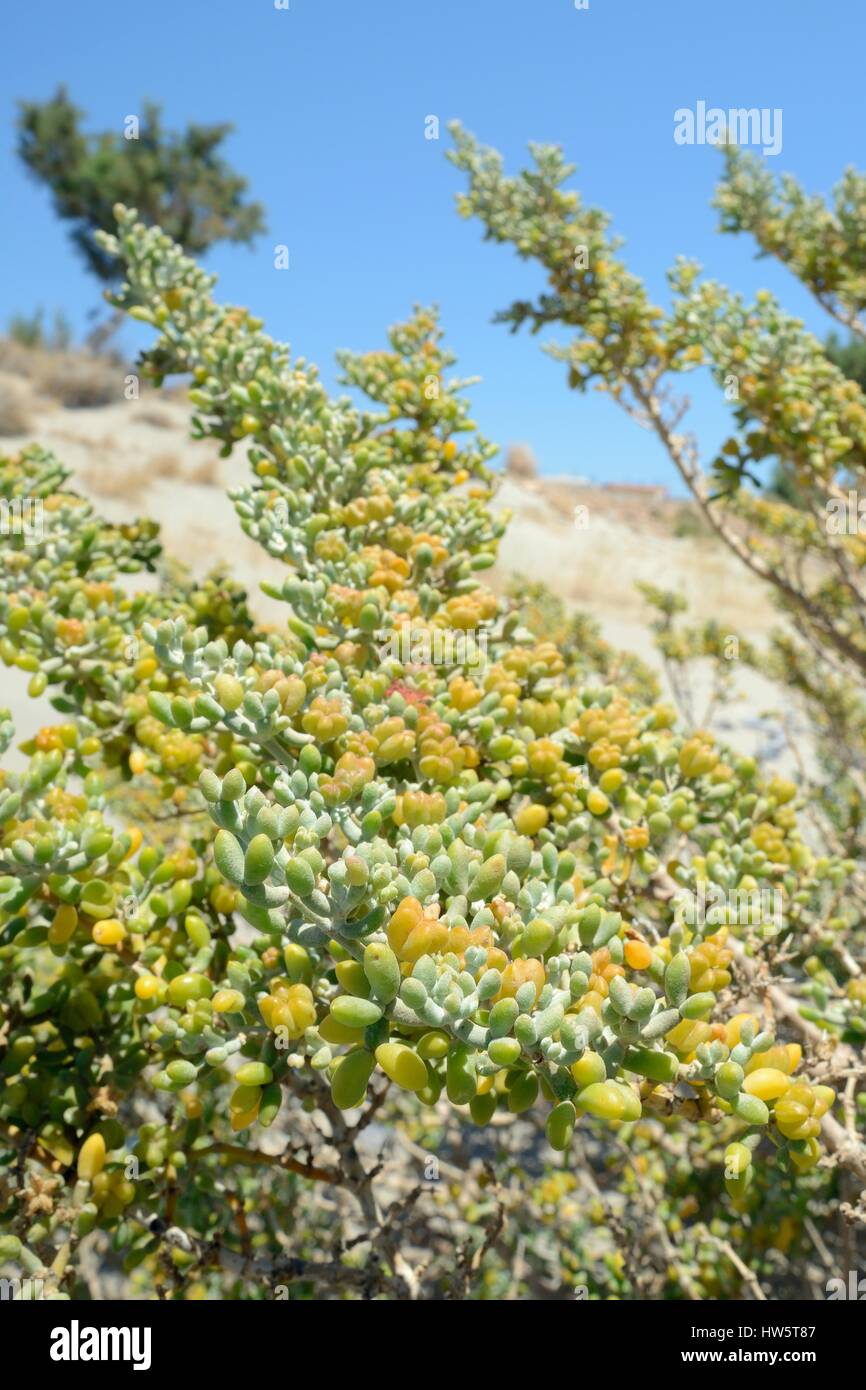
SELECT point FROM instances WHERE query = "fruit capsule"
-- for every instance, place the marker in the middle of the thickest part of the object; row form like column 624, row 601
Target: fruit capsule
column 637, row 954
column 588, row 1069
column 609, row 1100
column 402, row 1066
column 350, row 1078
column 767, row 1083
column 91, row 1157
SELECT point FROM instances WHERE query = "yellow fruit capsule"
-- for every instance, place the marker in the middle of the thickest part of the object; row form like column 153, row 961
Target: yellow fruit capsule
column 149, row 987
column 244, row 1105
column 685, row 1036
column 530, row 819
column 405, row 918
column 402, row 1066
column 597, row 803
column 292, row 1008
column 434, row 1045
column 109, row 932
column 732, row 1030
column 738, row 1158
column 800, row 1110
column 609, row 1100
column 784, row 1057
column 228, row 1001
column 91, row 1157
column 638, row 955
column 242, row 1119
column 137, row 761
column 193, row 1107
column 588, row 1069
column 767, row 1083
column 519, row 972
column 63, row 926
column 824, row 1097
column 805, row 1158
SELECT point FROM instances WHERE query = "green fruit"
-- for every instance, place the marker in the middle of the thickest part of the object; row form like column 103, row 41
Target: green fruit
column 729, row 1079
column 254, row 1074
column 229, row 857
column 229, row 692
column 402, row 1065
column 434, row 1046
column 482, row 1108
column 354, row 1012
column 738, row 1186
column 272, row 1099
column 181, row 1072
column 504, row 1051
column 698, row 1005
column 537, row 937
column 460, row 1079
column 382, row 969
column 350, row 1078
column 183, row 988
column 560, row 1125
column 609, row 1100
column 350, row 974
column 197, row 931
column 750, row 1109
column 658, row 1066
column 738, row 1158
column 299, row 965
column 523, row 1094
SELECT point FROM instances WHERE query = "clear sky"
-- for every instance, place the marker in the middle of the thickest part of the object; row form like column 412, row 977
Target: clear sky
column 329, row 100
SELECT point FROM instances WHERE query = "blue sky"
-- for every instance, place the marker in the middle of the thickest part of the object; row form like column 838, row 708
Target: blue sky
column 329, row 101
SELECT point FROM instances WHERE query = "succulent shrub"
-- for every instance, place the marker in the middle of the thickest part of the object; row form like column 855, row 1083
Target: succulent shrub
column 795, row 403
column 406, row 854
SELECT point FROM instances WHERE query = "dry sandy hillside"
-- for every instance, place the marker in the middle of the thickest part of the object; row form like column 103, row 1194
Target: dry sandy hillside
column 590, row 545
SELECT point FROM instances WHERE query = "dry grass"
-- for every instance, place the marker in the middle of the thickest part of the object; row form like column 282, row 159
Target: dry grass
column 74, row 379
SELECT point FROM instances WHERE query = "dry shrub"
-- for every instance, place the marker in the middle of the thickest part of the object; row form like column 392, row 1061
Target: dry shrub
column 73, row 379
column 154, row 415
column 207, row 473
column 78, row 381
